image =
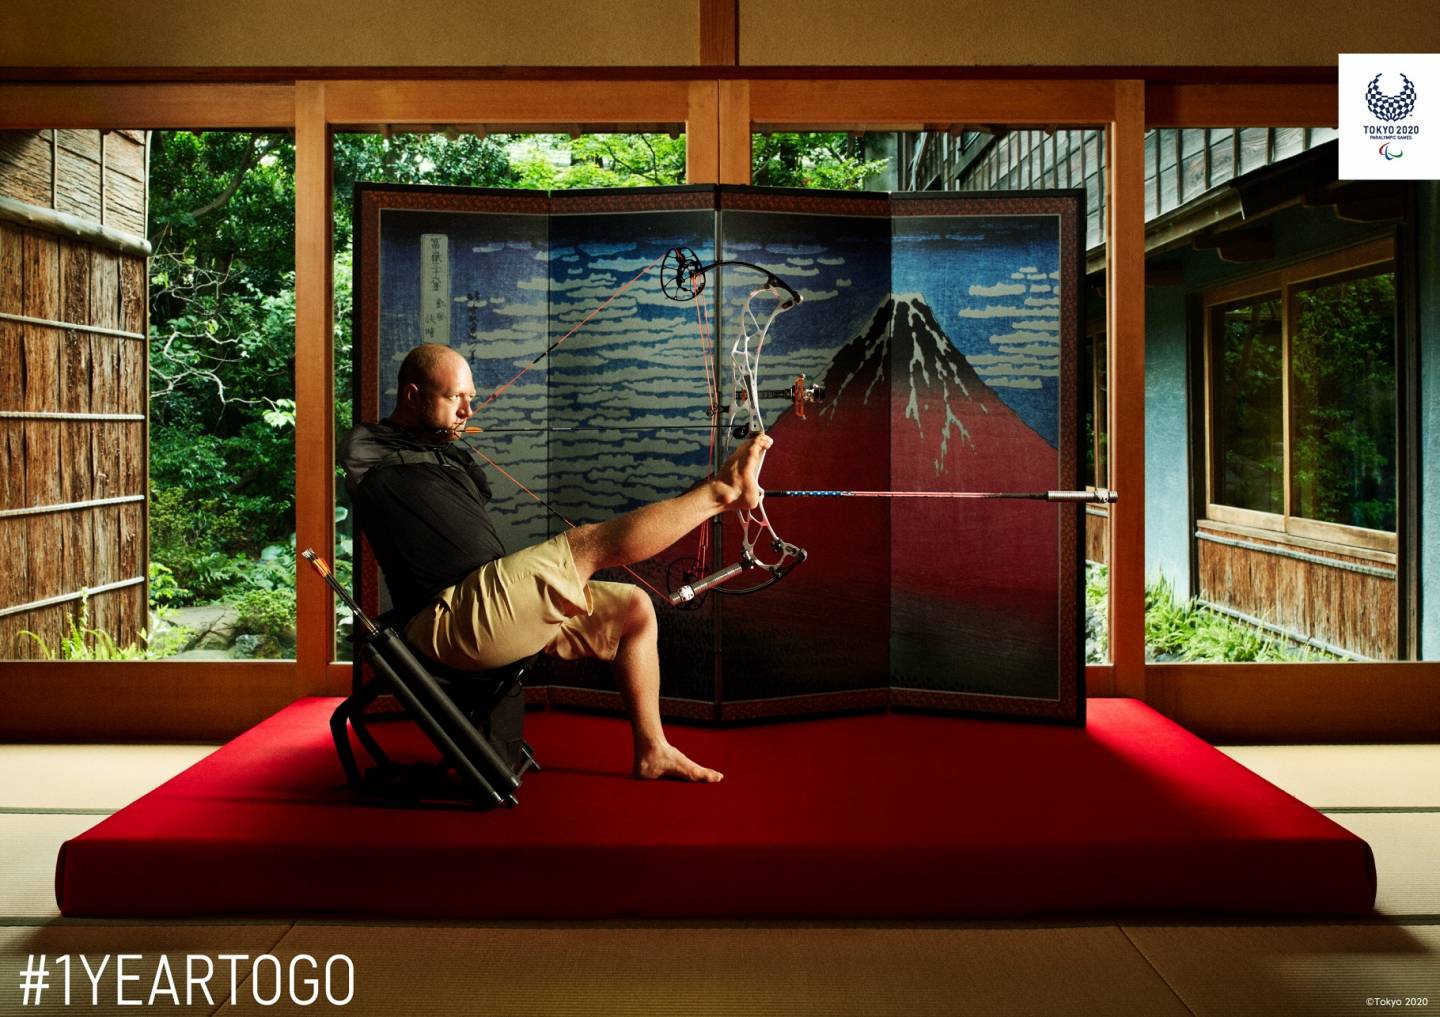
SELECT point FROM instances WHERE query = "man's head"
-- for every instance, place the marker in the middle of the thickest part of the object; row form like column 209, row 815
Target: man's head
column 433, row 392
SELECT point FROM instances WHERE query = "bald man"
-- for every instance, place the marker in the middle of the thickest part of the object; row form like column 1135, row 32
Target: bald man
column 421, row 501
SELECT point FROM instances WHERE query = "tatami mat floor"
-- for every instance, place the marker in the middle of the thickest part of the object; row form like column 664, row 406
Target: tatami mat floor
column 1121, row 965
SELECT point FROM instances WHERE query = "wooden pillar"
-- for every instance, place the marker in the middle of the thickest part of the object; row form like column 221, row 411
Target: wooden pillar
column 702, row 142
column 734, row 130
column 314, row 387
column 719, row 33
column 1125, row 314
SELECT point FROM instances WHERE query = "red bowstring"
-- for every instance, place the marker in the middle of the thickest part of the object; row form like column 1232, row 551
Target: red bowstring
column 578, row 326
column 712, row 383
column 518, row 483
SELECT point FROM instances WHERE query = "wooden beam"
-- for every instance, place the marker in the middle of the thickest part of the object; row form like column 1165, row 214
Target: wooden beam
column 134, row 700
column 288, row 73
column 1252, row 243
column 506, row 102
column 719, row 33
column 314, row 386
column 931, row 101
column 1337, row 702
column 1125, row 309
column 736, row 125
column 1256, row 105
column 1099, row 681
column 39, row 107
column 702, row 142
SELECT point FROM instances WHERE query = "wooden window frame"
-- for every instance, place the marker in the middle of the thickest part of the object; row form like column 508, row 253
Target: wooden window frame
column 1370, row 257
column 159, row 699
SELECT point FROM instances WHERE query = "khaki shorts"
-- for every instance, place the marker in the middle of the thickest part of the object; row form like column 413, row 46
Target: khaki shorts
column 521, row 604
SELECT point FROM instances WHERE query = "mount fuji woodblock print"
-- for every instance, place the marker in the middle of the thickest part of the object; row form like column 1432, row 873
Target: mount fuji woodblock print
column 955, row 371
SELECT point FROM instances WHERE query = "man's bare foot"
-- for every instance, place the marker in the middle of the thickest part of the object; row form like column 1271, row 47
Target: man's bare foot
column 665, row 761
column 738, row 477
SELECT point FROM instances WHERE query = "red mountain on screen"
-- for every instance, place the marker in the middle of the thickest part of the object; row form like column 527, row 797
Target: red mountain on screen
column 905, row 410
column 900, row 391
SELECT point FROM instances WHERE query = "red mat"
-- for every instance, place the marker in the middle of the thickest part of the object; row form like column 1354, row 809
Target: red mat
column 897, row 815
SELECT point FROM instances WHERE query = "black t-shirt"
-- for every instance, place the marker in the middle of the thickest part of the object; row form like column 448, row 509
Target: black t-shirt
column 422, row 506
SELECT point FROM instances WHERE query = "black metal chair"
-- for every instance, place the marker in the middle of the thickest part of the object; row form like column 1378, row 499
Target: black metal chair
column 475, row 719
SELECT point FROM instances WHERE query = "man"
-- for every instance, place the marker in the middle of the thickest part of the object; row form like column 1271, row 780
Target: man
column 421, row 500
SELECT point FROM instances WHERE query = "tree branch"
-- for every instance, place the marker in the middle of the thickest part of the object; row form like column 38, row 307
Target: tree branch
column 235, row 181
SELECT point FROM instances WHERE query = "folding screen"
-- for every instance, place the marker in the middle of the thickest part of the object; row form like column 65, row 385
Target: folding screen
column 943, row 330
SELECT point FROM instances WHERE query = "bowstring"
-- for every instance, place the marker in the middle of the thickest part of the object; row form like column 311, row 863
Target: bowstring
column 557, row 513
column 712, row 384
column 577, row 327
column 745, row 369
column 745, row 372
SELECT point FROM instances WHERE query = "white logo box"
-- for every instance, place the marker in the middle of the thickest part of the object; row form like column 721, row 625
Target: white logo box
column 1389, row 116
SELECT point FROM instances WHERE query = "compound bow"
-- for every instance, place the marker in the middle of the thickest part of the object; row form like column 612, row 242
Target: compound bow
column 682, row 279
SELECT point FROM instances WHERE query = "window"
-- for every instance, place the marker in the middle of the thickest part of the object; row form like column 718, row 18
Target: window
column 1248, row 403
column 1342, row 401
column 1302, row 400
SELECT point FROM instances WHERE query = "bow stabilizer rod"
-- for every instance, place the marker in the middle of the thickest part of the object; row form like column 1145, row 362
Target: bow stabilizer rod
column 1099, row 496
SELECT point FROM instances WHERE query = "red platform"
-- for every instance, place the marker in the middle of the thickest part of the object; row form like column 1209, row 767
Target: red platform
column 898, row 816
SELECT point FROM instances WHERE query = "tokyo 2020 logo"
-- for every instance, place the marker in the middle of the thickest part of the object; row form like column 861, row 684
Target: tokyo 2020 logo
column 1390, row 107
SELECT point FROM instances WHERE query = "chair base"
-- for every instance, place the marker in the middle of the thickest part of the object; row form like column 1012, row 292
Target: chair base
column 475, row 719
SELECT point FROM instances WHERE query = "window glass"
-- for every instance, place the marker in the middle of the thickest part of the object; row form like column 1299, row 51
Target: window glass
column 1342, row 393
column 1249, row 455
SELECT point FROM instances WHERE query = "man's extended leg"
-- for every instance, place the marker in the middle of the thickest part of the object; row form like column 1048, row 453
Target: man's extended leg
column 634, row 537
column 637, row 673
column 648, row 530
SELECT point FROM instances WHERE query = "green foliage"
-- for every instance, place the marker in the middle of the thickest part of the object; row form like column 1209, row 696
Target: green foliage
column 558, row 162
column 222, row 321
column 199, row 541
column 1097, row 612
column 1184, row 629
column 465, row 160
column 82, row 642
column 832, row 160
column 1188, row 630
column 268, row 613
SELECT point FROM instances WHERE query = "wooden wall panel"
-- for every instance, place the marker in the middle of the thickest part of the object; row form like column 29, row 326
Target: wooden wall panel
column 25, row 166
column 53, row 457
column 307, row 33
column 1097, row 537
column 51, row 624
column 139, row 700
column 1108, row 33
column 159, row 106
column 77, row 174
column 15, row 582
column 1352, row 610
column 12, row 334
column 1305, row 703
column 133, row 290
column 124, row 203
